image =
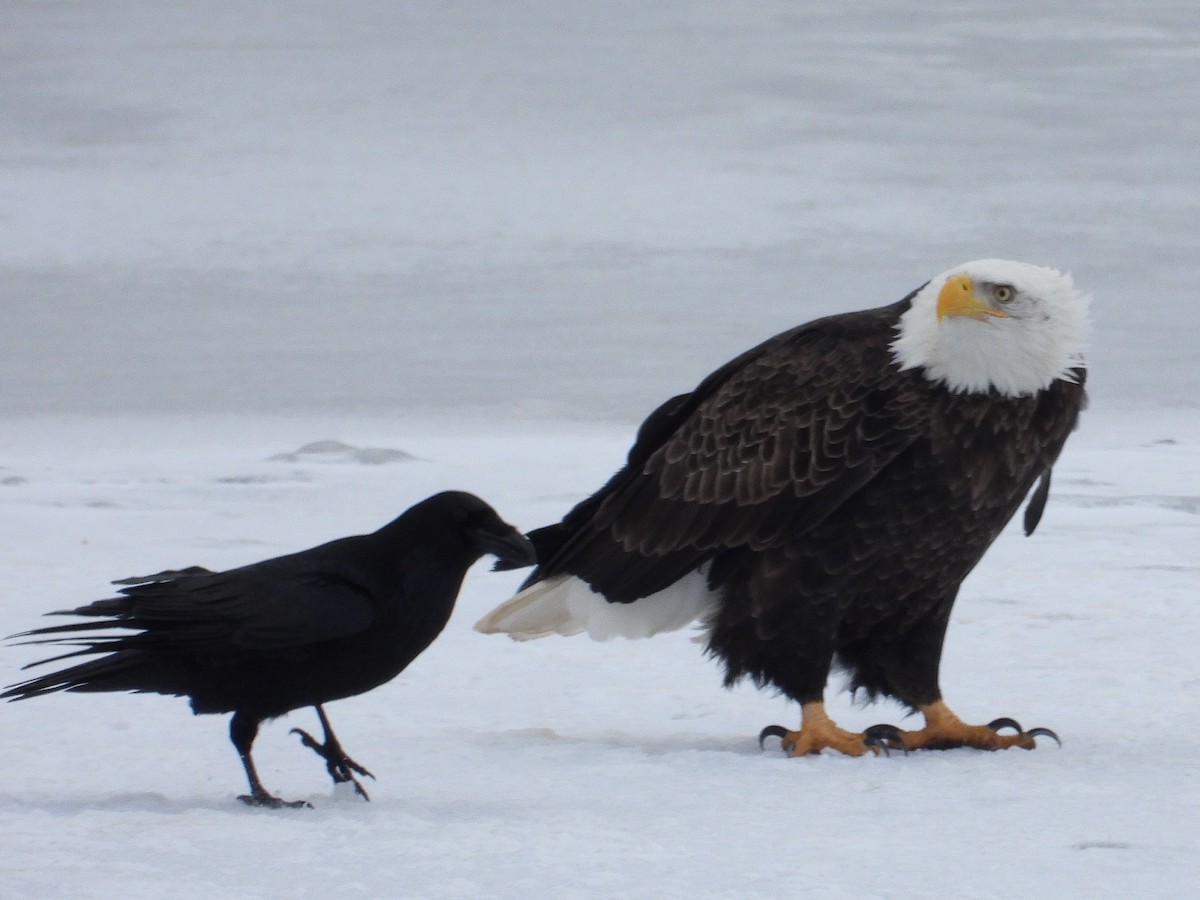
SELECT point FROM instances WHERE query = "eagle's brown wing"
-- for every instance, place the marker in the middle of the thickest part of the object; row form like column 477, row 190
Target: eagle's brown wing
column 765, row 448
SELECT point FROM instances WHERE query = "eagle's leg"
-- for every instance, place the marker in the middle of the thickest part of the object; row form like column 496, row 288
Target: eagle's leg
column 944, row 730
column 242, row 731
column 340, row 766
column 906, row 667
column 817, row 732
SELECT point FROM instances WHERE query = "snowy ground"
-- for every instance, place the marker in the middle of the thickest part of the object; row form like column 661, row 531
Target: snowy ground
column 494, row 236
column 571, row 768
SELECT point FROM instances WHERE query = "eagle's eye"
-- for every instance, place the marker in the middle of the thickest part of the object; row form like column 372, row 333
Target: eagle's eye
column 1003, row 293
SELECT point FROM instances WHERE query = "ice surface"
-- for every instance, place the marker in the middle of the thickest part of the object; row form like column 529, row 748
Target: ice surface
column 331, row 451
column 565, row 209
column 493, row 236
column 566, row 767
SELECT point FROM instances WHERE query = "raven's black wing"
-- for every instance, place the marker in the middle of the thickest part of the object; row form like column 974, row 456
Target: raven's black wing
column 280, row 607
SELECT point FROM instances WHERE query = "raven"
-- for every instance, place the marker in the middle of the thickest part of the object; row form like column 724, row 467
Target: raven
column 298, row 630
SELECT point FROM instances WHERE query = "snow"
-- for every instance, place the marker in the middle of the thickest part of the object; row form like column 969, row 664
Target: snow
column 275, row 271
column 574, row 768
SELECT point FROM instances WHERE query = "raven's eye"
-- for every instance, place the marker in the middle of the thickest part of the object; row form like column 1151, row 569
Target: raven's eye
column 1003, row 293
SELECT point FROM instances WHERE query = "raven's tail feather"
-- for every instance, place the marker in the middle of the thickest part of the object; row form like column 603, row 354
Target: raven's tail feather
column 122, row 661
column 113, row 672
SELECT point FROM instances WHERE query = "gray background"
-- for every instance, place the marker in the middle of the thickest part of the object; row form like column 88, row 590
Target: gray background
column 566, row 210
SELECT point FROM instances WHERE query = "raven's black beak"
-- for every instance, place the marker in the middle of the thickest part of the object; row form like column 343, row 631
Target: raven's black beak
column 509, row 546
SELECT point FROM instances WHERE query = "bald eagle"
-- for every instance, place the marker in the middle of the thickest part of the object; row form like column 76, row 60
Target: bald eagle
column 817, row 502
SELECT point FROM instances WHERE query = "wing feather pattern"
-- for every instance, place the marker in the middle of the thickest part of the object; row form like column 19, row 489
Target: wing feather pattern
column 762, row 451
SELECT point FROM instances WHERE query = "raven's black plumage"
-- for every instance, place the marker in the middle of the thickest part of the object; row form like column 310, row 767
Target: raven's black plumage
column 830, row 489
column 298, row 630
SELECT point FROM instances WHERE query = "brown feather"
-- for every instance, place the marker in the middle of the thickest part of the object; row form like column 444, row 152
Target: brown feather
column 839, row 501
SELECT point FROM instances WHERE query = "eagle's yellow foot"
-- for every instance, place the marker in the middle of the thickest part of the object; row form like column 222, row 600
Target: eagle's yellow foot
column 944, row 730
column 817, row 732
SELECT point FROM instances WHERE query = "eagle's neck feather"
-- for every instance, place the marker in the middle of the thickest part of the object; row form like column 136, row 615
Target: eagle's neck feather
column 1014, row 357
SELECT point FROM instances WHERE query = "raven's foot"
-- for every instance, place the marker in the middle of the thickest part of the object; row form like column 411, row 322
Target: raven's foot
column 819, row 732
column 262, row 798
column 341, row 768
column 944, row 730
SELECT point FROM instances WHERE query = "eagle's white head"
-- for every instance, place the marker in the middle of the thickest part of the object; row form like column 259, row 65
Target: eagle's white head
column 994, row 323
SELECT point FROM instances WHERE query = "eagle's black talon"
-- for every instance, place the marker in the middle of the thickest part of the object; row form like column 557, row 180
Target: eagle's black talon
column 1005, row 722
column 1044, row 732
column 884, row 737
column 772, row 731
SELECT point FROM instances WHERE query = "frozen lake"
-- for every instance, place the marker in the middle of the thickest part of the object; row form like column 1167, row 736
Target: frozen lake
column 495, row 236
column 571, row 768
column 566, row 209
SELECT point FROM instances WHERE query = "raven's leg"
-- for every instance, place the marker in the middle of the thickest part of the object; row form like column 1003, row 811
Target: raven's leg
column 341, row 767
column 242, row 731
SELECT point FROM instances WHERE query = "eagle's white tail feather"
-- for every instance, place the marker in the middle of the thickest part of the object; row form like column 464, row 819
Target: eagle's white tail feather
column 539, row 610
column 567, row 605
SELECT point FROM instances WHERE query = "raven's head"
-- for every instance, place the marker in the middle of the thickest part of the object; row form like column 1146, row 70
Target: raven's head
column 482, row 529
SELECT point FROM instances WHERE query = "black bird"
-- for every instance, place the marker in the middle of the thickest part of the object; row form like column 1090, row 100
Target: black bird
column 298, row 630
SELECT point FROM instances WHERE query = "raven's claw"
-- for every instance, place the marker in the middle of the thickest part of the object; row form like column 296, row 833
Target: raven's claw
column 341, row 767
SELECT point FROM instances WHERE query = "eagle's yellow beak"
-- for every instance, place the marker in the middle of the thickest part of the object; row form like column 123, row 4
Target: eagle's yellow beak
column 958, row 299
